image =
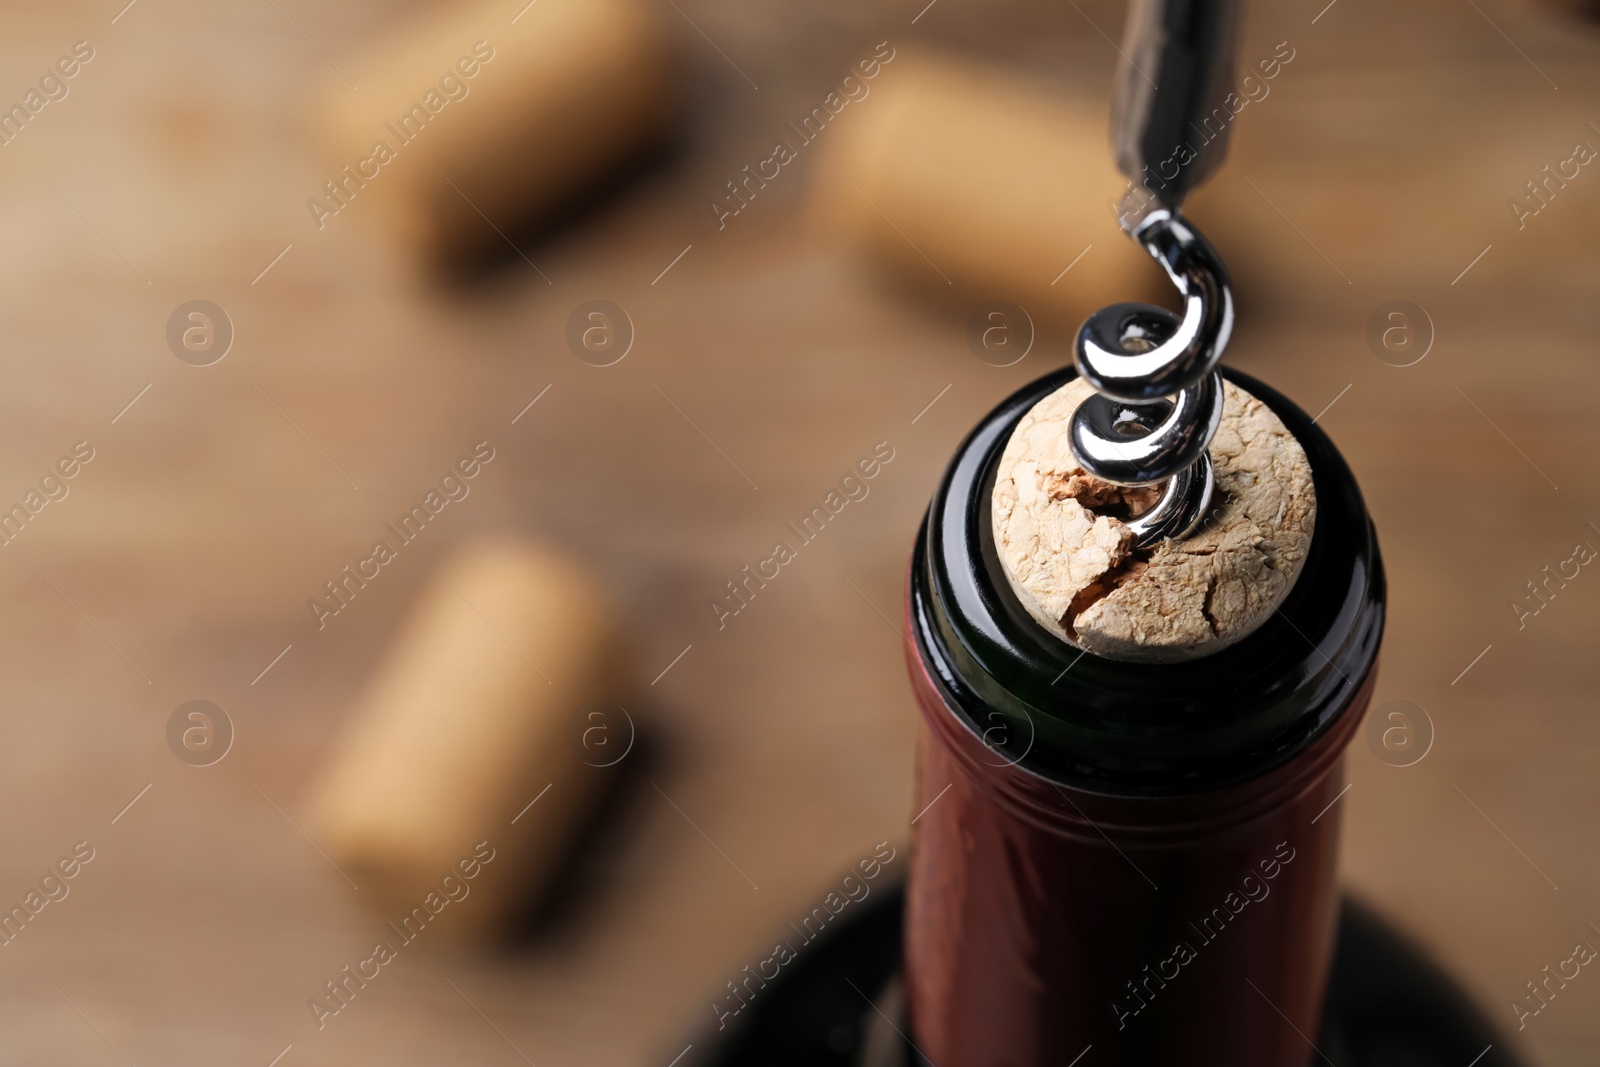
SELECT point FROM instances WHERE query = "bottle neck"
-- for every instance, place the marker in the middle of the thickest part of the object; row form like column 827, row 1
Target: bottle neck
column 1142, row 730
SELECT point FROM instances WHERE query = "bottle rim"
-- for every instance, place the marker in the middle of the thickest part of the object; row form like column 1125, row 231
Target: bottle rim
column 1141, row 729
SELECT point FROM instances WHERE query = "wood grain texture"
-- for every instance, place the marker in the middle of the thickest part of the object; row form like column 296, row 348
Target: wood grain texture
column 180, row 563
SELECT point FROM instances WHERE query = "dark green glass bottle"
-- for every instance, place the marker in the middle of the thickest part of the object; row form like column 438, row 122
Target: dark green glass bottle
column 1134, row 857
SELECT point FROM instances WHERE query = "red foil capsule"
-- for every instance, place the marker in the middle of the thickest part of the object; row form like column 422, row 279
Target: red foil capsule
column 1131, row 858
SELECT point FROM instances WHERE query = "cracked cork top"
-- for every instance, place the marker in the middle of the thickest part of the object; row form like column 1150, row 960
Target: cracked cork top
column 1071, row 559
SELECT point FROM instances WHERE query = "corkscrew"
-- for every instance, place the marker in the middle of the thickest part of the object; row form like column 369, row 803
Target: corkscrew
column 1159, row 396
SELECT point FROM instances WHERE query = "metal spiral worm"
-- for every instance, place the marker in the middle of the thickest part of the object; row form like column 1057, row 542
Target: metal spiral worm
column 1159, row 396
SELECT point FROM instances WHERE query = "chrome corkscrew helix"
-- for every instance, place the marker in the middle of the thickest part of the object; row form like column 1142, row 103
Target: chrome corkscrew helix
column 1160, row 396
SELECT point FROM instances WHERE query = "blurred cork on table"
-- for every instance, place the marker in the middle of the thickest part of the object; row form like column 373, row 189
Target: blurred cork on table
column 959, row 175
column 482, row 745
column 469, row 124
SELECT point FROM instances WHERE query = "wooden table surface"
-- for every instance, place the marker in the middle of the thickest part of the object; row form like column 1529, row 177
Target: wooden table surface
column 179, row 564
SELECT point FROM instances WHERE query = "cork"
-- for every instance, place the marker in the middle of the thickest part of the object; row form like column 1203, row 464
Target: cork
column 950, row 173
column 1071, row 560
column 480, row 708
column 476, row 120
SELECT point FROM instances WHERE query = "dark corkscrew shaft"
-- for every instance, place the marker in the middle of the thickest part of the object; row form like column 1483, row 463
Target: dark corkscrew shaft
column 1177, row 69
column 1160, row 398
